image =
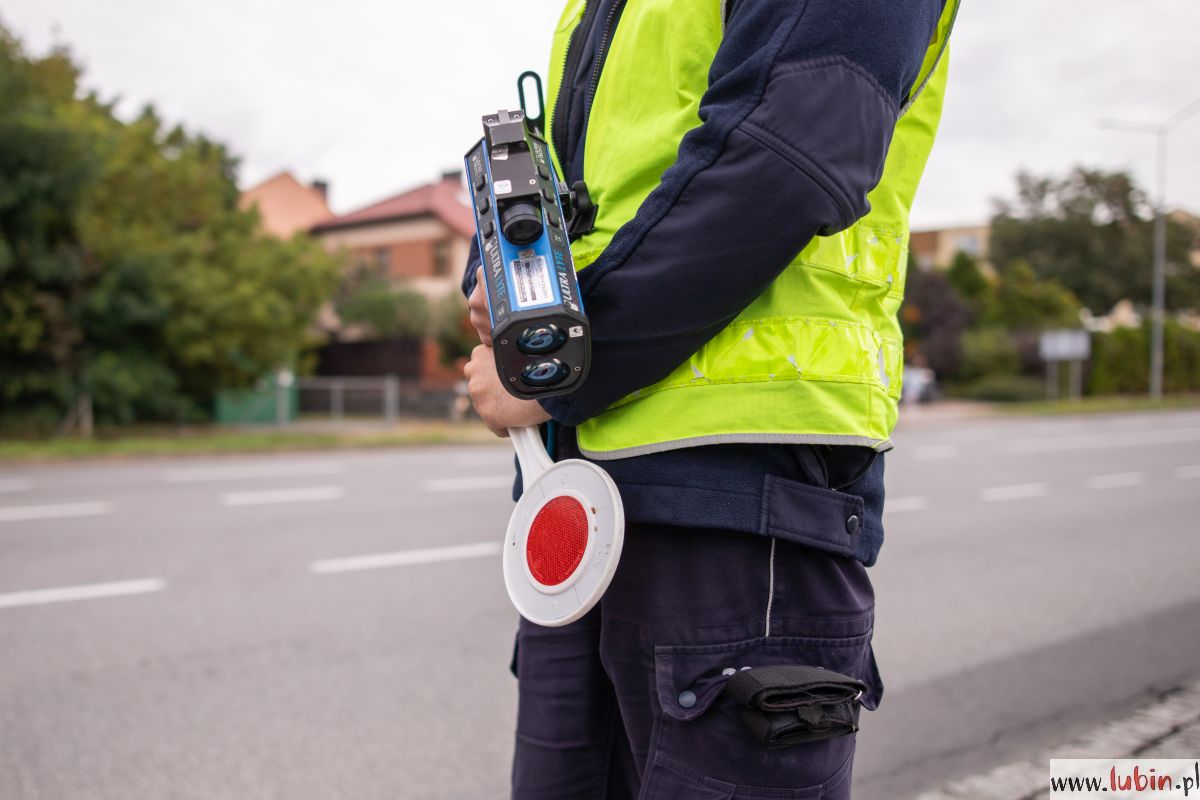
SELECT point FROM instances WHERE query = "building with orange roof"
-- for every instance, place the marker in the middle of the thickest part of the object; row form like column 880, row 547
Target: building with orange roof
column 286, row 206
column 420, row 236
column 936, row 248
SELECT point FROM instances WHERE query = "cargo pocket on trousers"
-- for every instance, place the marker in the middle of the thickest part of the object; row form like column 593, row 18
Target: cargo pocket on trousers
column 704, row 747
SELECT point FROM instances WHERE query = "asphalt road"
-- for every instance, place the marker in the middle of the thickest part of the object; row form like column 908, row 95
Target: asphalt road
column 335, row 625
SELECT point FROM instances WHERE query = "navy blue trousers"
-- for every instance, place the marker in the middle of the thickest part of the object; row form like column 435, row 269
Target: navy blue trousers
column 626, row 703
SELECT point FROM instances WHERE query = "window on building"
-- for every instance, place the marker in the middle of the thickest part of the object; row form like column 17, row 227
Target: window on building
column 441, row 257
column 968, row 244
column 383, row 260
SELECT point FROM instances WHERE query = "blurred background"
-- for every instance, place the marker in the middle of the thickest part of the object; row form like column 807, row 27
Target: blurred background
column 249, row 524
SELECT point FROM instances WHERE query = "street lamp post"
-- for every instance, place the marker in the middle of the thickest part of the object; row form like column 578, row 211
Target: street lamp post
column 1159, row 287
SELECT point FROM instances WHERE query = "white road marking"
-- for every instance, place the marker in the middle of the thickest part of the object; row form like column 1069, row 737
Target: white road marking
column 1116, row 480
column 254, row 472
column 1018, row 491
column 1187, row 472
column 468, row 484
column 15, row 484
column 404, row 558
column 492, row 458
column 308, row 494
column 1100, row 441
column 902, row 505
column 935, row 452
column 92, row 591
column 55, row 511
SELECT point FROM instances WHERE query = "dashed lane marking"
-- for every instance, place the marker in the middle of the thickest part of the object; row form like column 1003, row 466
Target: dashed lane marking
column 250, row 472
column 1117, row 480
column 91, row 591
column 1187, row 472
column 1018, row 491
column 405, row 558
column 53, row 511
column 903, row 505
column 468, row 484
column 935, row 452
column 1100, row 441
column 308, row 494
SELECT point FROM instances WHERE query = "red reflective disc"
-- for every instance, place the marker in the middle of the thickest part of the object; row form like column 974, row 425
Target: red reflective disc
column 557, row 540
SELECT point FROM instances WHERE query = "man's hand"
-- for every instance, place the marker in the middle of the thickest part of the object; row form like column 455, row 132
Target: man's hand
column 480, row 318
column 499, row 409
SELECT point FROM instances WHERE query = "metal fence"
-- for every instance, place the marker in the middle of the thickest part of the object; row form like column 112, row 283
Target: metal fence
column 386, row 398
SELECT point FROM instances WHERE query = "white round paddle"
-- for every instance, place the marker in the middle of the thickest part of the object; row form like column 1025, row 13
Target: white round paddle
column 565, row 535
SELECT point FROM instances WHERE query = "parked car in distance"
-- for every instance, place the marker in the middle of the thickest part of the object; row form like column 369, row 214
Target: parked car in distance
column 920, row 385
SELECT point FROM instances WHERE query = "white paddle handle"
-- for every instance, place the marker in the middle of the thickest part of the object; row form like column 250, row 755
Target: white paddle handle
column 530, row 452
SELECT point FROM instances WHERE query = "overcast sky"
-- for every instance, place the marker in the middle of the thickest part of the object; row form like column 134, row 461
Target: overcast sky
column 376, row 97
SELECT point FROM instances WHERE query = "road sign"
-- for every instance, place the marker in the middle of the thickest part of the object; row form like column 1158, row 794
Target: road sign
column 1064, row 345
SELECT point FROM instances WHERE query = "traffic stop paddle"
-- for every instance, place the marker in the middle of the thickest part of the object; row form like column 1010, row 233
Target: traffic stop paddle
column 564, row 537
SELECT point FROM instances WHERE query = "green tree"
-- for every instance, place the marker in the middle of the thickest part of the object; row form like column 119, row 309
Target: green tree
column 385, row 311
column 129, row 273
column 1092, row 231
column 46, row 167
column 452, row 328
column 968, row 280
column 1022, row 302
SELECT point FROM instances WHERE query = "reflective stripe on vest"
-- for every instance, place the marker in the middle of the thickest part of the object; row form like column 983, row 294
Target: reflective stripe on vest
column 818, row 357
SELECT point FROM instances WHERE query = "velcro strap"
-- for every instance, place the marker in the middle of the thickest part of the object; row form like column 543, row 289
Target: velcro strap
column 784, row 706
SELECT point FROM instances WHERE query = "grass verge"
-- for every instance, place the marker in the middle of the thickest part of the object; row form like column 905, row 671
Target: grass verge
column 1101, row 405
column 127, row 443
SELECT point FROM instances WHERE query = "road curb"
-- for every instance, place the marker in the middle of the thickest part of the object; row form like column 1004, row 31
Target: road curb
column 1173, row 714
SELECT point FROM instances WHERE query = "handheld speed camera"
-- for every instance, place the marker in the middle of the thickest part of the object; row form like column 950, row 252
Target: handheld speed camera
column 524, row 219
column 565, row 534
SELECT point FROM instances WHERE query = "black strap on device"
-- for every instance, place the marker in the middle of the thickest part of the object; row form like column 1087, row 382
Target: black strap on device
column 582, row 215
column 536, row 123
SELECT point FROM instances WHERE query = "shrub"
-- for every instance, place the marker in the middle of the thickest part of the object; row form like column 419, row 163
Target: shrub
column 1006, row 389
column 1121, row 360
column 987, row 351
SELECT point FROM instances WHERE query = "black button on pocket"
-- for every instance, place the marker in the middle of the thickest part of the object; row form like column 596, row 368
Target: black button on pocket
column 852, row 524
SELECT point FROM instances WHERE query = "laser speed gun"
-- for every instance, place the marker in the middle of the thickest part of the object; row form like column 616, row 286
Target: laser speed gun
column 565, row 535
column 524, row 216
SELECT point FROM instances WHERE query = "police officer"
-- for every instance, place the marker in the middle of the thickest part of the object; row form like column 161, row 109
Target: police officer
column 754, row 163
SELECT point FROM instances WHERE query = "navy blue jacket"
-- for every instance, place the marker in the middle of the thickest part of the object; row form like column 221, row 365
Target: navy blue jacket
column 802, row 100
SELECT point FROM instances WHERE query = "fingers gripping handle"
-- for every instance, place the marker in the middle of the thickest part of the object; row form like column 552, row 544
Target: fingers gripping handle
column 530, row 452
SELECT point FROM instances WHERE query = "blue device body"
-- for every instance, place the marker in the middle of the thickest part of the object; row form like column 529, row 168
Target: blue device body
column 540, row 332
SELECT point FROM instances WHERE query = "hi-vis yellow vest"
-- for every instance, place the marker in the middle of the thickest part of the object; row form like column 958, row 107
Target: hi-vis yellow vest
column 818, row 357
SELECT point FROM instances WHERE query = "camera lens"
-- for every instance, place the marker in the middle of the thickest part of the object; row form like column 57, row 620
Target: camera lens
column 541, row 340
column 545, row 373
column 521, row 223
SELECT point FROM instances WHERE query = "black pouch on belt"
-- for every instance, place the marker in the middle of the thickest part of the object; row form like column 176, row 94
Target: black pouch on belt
column 790, row 705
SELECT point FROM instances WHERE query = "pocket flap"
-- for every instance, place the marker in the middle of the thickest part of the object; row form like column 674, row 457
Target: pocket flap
column 821, row 518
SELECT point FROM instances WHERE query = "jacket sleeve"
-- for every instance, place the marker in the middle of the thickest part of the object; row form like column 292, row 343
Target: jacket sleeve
column 795, row 125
